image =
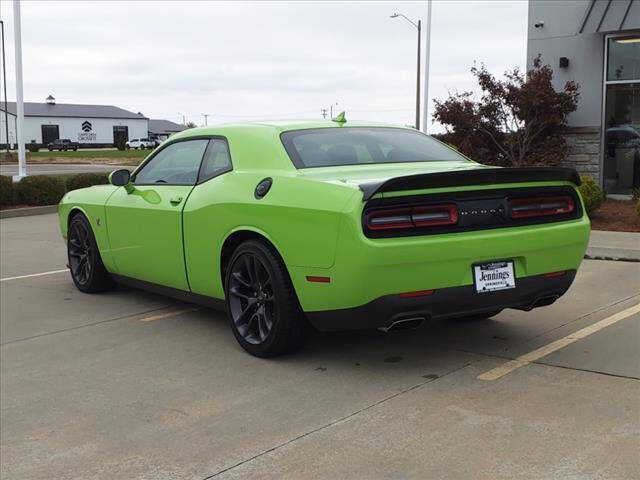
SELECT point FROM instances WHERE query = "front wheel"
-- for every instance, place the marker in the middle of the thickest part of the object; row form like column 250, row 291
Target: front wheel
column 262, row 305
column 87, row 270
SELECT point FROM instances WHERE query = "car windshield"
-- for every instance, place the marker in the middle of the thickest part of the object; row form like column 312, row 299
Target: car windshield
column 326, row 147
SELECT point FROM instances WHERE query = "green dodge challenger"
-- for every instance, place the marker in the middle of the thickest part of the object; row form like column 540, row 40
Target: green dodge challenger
column 335, row 224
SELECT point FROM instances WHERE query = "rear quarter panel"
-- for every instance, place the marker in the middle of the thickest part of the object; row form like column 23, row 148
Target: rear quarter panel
column 299, row 217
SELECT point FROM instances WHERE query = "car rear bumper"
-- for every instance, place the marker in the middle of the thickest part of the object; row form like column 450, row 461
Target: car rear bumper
column 530, row 292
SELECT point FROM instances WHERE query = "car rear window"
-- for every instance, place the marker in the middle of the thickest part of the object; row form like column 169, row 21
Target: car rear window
column 327, row 147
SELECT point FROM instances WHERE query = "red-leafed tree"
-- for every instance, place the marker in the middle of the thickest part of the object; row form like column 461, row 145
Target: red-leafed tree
column 517, row 121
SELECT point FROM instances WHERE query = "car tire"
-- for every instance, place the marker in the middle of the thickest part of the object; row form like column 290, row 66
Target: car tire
column 479, row 316
column 262, row 305
column 75, row 149
column 50, row 149
column 87, row 270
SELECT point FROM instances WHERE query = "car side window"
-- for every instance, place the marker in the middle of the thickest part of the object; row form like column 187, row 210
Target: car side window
column 176, row 164
column 216, row 161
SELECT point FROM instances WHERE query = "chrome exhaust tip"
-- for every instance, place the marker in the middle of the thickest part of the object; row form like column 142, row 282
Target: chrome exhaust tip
column 409, row 323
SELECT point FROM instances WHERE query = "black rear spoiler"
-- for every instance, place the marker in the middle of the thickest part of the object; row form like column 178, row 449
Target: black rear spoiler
column 480, row 176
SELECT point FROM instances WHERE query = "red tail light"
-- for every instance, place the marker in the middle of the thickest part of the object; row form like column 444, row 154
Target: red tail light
column 541, row 206
column 412, row 217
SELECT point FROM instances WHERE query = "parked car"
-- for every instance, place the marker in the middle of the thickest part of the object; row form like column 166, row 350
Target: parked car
column 342, row 226
column 140, row 143
column 63, row 144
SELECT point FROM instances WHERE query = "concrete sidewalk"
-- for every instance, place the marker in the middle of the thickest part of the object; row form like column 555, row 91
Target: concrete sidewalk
column 606, row 245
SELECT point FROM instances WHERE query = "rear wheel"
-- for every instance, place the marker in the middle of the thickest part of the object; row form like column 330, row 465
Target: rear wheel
column 262, row 306
column 87, row 270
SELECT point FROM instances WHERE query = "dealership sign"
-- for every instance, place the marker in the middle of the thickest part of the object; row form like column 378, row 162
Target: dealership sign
column 87, row 134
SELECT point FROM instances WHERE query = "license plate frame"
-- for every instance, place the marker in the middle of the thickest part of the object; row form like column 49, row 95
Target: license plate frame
column 502, row 275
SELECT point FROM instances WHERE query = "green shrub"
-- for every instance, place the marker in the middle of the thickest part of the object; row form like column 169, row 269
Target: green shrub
column 592, row 194
column 6, row 191
column 638, row 208
column 121, row 144
column 635, row 194
column 33, row 147
column 83, row 180
column 40, row 190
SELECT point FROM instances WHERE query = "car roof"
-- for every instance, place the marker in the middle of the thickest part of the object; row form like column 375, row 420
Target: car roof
column 279, row 126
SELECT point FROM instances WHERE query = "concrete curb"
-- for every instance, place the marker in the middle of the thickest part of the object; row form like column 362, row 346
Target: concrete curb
column 24, row 212
column 612, row 254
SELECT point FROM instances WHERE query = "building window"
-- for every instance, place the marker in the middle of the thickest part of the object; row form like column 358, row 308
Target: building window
column 622, row 116
column 624, row 59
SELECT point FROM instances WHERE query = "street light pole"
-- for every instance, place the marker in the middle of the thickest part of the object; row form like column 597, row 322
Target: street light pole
column 425, row 112
column 418, row 81
column 418, row 26
column 22, row 170
column 4, row 77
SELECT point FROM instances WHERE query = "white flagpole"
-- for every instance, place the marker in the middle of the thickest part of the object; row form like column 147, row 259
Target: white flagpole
column 22, row 164
column 427, row 50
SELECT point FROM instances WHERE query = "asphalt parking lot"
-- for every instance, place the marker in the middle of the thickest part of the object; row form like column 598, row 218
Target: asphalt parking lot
column 132, row 385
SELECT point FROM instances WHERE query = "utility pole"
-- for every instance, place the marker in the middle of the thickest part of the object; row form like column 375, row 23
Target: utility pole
column 425, row 112
column 4, row 77
column 323, row 112
column 22, row 167
column 205, row 115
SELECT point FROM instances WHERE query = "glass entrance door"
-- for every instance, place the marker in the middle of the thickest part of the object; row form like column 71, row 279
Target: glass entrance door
column 622, row 116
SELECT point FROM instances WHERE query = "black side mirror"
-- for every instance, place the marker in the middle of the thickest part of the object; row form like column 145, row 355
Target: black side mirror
column 120, row 178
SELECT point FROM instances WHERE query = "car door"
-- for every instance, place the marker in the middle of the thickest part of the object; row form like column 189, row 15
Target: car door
column 144, row 222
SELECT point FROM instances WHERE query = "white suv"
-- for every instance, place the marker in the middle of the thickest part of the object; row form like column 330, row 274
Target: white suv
column 140, row 143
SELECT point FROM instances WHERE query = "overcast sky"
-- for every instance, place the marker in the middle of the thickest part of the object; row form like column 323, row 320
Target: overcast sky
column 248, row 60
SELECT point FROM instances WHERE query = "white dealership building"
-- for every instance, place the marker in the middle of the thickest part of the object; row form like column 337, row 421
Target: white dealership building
column 90, row 125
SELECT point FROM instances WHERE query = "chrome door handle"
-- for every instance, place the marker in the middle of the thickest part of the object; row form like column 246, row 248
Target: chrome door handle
column 175, row 200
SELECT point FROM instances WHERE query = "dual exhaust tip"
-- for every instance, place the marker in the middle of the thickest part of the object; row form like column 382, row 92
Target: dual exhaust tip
column 414, row 322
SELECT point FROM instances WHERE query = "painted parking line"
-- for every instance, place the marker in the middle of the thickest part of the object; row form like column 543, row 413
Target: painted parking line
column 33, row 275
column 530, row 357
column 169, row 314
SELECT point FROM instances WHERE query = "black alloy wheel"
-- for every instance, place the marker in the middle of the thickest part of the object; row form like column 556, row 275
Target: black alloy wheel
column 262, row 305
column 252, row 302
column 87, row 270
column 80, row 260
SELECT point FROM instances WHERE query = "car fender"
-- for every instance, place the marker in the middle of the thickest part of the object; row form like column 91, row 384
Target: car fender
column 91, row 203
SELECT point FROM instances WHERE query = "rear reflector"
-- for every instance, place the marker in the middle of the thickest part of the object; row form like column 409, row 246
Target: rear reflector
column 419, row 293
column 318, row 279
column 541, row 206
column 555, row 274
column 412, row 217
